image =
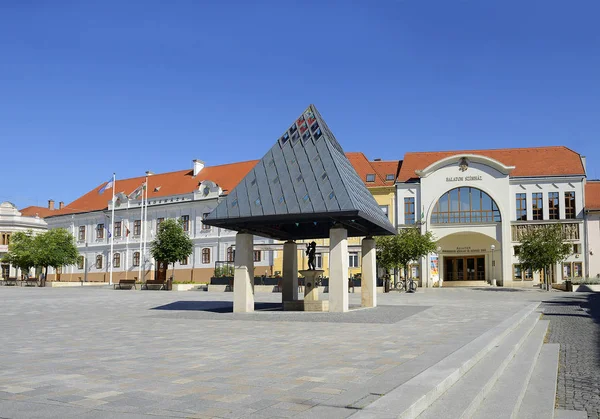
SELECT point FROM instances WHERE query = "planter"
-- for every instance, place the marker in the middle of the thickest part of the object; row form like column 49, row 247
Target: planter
column 55, row 284
column 189, row 287
column 586, row 288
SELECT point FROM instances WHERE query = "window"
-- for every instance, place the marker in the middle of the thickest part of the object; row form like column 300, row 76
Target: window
column 230, row 254
column 538, row 206
column 184, row 261
column 117, row 229
column 517, row 273
column 318, row 261
column 517, row 250
column 409, row 210
column 353, row 260
column 577, row 269
column 521, row 207
column 390, row 177
column 158, row 221
column 570, row 205
column 465, row 205
column 576, row 248
column 385, row 209
column 5, row 239
column 370, row 177
column 567, row 270
column 80, row 262
column 185, row 222
column 553, row 206
column 99, row 262
column 136, row 258
column 117, row 260
column 205, row 226
column 206, row 255
column 137, row 227
column 257, row 256
column 100, row 231
column 81, row 236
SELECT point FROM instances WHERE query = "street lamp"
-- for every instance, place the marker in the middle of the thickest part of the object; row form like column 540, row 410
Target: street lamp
column 493, row 282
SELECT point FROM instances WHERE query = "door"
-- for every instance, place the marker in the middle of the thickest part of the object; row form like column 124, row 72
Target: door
column 161, row 271
column 470, row 269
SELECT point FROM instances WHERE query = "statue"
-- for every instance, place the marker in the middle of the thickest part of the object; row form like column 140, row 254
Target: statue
column 311, row 249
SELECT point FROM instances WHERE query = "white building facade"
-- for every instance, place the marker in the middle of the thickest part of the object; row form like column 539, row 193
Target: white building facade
column 477, row 207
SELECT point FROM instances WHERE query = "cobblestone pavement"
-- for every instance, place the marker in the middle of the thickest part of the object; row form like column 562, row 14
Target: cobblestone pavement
column 97, row 353
column 575, row 325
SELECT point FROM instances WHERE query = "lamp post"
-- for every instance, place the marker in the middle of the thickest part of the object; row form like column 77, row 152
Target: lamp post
column 493, row 281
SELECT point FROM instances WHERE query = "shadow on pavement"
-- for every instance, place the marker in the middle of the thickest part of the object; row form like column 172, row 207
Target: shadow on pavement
column 215, row 306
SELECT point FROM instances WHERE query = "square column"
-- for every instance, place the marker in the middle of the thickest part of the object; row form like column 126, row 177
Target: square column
column 290, row 271
column 243, row 279
column 338, row 269
column 368, row 283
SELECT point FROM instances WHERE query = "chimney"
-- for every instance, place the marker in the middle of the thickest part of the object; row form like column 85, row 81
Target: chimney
column 198, row 166
column 51, row 204
column 61, row 205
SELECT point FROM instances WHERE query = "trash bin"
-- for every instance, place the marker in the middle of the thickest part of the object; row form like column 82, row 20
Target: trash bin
column 386, row 285
column 170, row 284
column 569, row 285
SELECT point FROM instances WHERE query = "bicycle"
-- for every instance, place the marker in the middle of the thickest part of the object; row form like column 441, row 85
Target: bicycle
column 407, row 285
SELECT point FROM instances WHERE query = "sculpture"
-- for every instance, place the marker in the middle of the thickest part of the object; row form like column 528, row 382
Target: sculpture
column 311, row 249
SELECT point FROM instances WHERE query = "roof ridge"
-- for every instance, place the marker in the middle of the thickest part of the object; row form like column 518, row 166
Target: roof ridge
column 491, row 149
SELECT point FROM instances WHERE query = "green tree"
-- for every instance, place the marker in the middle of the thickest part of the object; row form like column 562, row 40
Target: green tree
column 395, row 252
column 171, row 243
column 55, row 248
column 21, row 252
column 542, row 248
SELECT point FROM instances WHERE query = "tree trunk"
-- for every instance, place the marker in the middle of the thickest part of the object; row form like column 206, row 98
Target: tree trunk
column 173, row 275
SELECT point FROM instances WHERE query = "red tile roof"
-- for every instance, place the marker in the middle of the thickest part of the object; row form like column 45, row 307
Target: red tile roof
column 226, row 176
column 592, row 195
column 538, row 161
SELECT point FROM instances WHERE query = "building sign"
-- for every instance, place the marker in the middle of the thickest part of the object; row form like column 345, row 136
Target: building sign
column 433, row 268
column 464, row 249
column 463, row 178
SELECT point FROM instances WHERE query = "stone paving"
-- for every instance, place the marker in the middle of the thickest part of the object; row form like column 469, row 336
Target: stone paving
column 575, row 325
column 97, row 353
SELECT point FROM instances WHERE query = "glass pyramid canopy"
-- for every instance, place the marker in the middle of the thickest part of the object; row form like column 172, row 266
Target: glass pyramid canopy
column 301, row 188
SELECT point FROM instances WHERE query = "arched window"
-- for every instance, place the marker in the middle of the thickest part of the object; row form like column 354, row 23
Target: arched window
column 206, row 255
column 230, row 254
column 465, row 205
column 99, row 262
column 117, row 260
column 136, row 258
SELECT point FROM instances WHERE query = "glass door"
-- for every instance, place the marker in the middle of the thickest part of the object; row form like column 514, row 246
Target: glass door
column 481, row 268
column 470, row 269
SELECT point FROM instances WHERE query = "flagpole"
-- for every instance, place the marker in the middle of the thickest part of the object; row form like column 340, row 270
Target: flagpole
column 112, row 237
column 145, row 224
column 141, row 238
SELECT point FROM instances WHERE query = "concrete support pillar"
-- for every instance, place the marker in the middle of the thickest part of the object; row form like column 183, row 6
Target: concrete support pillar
column 368, row 283
column 290, row 271
column 338, row 269
column 243, row 280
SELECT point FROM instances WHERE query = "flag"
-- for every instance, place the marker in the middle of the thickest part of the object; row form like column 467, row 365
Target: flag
column 126, row 224
column 120, row 198
column 108, row 185
column 106, row 226
column 137, row 192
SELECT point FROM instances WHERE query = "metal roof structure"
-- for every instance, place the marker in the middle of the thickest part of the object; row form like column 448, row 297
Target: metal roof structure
column 301, row 188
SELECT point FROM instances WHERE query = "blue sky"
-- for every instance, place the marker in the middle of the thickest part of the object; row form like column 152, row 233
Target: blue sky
column 95, row 87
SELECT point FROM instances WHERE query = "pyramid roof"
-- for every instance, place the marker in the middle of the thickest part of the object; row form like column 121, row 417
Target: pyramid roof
column 303, row 186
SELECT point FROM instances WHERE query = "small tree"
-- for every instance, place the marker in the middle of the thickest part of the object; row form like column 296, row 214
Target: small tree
column 543, row 247
column 55, row 248
column 408, row 245
column 171, row 243
column 21, row 251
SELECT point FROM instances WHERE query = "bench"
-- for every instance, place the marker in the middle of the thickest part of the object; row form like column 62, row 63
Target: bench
column 29, row 281
column 125, row 284
column 10, row 281
column 155, row 284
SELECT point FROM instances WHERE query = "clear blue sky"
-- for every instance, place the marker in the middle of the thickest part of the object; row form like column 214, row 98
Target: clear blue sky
column 92, row 87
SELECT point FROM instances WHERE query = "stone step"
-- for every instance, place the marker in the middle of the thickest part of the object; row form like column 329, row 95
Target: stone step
column 410, row 399
column 570, row 414
column 463, row 398
column 505, row 397
column 540, row 396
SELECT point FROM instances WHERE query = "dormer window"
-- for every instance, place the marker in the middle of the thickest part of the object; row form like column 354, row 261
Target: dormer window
column 370, row 177
column 390, row 177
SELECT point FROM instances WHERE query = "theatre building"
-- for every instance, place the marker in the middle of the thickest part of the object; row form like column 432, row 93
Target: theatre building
column 478, row 203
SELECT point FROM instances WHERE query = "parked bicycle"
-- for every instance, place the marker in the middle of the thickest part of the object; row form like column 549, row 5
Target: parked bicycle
column 408, row 285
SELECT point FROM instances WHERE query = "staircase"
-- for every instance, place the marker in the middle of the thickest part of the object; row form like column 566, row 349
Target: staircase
column 508, row 372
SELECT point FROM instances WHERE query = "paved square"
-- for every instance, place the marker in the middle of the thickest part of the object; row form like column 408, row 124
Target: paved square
column 96, row 353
